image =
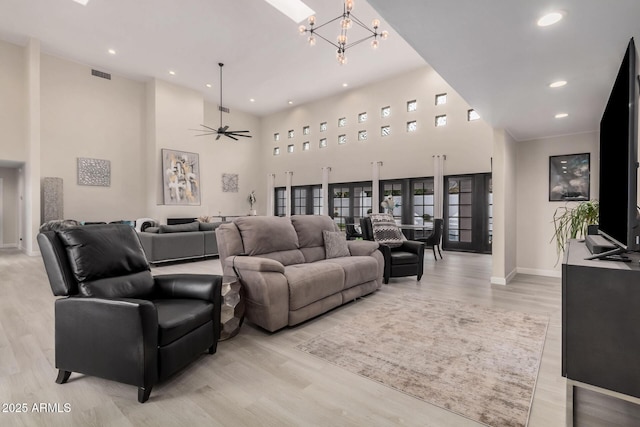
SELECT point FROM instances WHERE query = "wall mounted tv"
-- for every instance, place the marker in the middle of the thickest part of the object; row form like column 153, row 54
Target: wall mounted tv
column 618, row 219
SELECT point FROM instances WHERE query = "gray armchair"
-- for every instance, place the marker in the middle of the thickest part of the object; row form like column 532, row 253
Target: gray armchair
column 116, row 320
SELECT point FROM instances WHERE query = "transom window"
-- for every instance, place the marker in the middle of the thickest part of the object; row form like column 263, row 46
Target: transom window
column 323, row 143
column 342, row 139
column 291, row 134
column 276, row 151
column 276, row 137
column 441, row 120
column 441, row 99
column 342, row 122
column 412, row 126
column 362, row 117
column 385, row 130
column 290, row 148
column 412, row 106
column 472, row 115
column 362, row 135
column 305, row 130
column 323, row 126
column 305, row 146
column 385, row 112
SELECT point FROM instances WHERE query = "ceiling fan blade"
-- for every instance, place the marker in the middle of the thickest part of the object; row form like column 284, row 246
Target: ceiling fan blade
column 224, row 129
column 218, row 137
column 239, row 131
column 231, row 136
column 235, row 134
column 210, row 128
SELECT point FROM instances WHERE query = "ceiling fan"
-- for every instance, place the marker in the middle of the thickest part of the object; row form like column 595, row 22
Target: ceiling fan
column 222, row 130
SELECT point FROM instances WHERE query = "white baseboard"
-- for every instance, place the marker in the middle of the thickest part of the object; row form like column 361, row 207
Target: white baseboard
column 8, row 245
column 503, row 280
column 538, row 272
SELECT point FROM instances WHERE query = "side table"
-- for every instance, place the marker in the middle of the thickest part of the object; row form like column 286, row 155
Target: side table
column 232, row 312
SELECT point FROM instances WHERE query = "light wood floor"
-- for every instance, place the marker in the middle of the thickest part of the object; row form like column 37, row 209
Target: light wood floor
column 256, row 378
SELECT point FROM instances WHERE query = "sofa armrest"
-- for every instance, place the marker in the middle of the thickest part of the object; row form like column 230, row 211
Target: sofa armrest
column 253, row 263
column 115, row 339
column 413, row 246
column 361, row 247
column 195, row 286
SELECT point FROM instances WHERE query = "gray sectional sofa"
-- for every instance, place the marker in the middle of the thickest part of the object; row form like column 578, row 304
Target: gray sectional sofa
column 179, row 242
column 291, row 270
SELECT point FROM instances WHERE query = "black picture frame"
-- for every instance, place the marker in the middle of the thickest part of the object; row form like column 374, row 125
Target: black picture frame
column 569, row 177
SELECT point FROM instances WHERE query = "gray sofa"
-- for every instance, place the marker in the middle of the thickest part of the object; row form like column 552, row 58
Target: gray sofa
column 289, row 274
column 179, row 242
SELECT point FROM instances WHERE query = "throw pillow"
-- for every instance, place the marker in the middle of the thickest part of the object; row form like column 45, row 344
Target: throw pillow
column 335, row 244
column 386, row 231
column 179, row 228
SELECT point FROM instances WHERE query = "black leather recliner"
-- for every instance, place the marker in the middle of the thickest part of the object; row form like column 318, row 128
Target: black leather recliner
column 401, row 261
column 118, row 321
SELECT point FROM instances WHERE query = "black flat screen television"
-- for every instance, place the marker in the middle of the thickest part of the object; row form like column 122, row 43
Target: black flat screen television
column 618, row 220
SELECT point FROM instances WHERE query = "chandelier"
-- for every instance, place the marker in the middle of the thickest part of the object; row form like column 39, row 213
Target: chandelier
column 347, row 19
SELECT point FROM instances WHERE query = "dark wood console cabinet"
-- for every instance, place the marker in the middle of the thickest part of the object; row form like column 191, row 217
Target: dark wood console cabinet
column 601, row 321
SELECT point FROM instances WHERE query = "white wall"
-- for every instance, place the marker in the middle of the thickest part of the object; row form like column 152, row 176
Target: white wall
column 536, row 252
column 13, row 102
column 468, row 145
column 173, row 112
column 86, row 116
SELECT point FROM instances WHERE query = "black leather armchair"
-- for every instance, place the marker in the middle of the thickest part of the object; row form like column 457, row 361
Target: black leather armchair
column 117, row 321
column 401, row 261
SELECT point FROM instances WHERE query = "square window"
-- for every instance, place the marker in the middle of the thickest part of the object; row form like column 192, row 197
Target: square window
column 412, row 126
column 290, row 134
column 290, row 148
column 276, row 137
column 323, row 126
column 441, row 99
column 305, row 130
column 362, row 135
column 441, row 120
column 385, row 111
column 276, row 151
column 472, row 115
column 305, row 146
column 385, row 130
column 342, row 139
column 342, row 122
column 412, row 106
column 362, row 117
column 323, row 143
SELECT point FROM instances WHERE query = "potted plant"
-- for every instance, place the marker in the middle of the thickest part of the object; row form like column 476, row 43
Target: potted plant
column 572, row 222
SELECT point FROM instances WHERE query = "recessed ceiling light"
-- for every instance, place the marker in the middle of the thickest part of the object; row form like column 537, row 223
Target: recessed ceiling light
column 550, row 19
column 559, row 83
column 82, row 2
column 252, row 100
column 173, row 73
column 112, row 51
column 345, row 84
column 561, row 115
column 290, row 102
column 208, row 85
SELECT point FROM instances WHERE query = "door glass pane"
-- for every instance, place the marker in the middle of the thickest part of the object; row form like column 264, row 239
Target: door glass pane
column 392, row 197
column 341, row 205
column 422, row 191
column 299, row 201
column 460, row 213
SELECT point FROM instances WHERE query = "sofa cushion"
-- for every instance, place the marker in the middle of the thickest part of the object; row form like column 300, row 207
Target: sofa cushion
column 309, row 283
column 309, row 229
column 335, row 244
column 178, row 317
column 151, row 230
column 386, row 231
column 357, row 269
column 265, row 234
column 179, row 228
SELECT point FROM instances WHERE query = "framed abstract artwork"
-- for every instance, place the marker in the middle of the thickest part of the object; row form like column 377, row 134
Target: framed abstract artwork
column 180, row 177
column 95, row 172
column 569, row 177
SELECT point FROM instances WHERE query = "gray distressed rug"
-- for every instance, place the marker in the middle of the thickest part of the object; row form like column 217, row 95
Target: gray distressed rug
column 478, row 362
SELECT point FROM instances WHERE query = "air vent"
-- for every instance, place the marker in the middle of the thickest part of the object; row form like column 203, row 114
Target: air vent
column 101, row 74
column 223, row 109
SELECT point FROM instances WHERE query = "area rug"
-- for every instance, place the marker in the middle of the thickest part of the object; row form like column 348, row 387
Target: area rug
column 478, row 362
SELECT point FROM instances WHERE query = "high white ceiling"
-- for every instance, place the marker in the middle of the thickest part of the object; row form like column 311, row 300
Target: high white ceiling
column 490, row 51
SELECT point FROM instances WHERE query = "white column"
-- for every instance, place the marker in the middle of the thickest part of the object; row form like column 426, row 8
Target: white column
column 375, row 186
column 289, row 176
column 32, row 166
column 324, row 210
column 271, row 185
column 438, row 185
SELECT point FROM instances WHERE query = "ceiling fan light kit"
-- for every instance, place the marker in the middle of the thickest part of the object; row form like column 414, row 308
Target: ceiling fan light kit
column 222, row 130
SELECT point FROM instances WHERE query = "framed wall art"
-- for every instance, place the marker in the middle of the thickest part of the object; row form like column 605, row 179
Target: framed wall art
column 95, row 172
column 181, row 177
column 569, row 177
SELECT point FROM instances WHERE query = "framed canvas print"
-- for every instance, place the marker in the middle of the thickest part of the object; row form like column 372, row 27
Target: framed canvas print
column 569, row 177
column 181, row 177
